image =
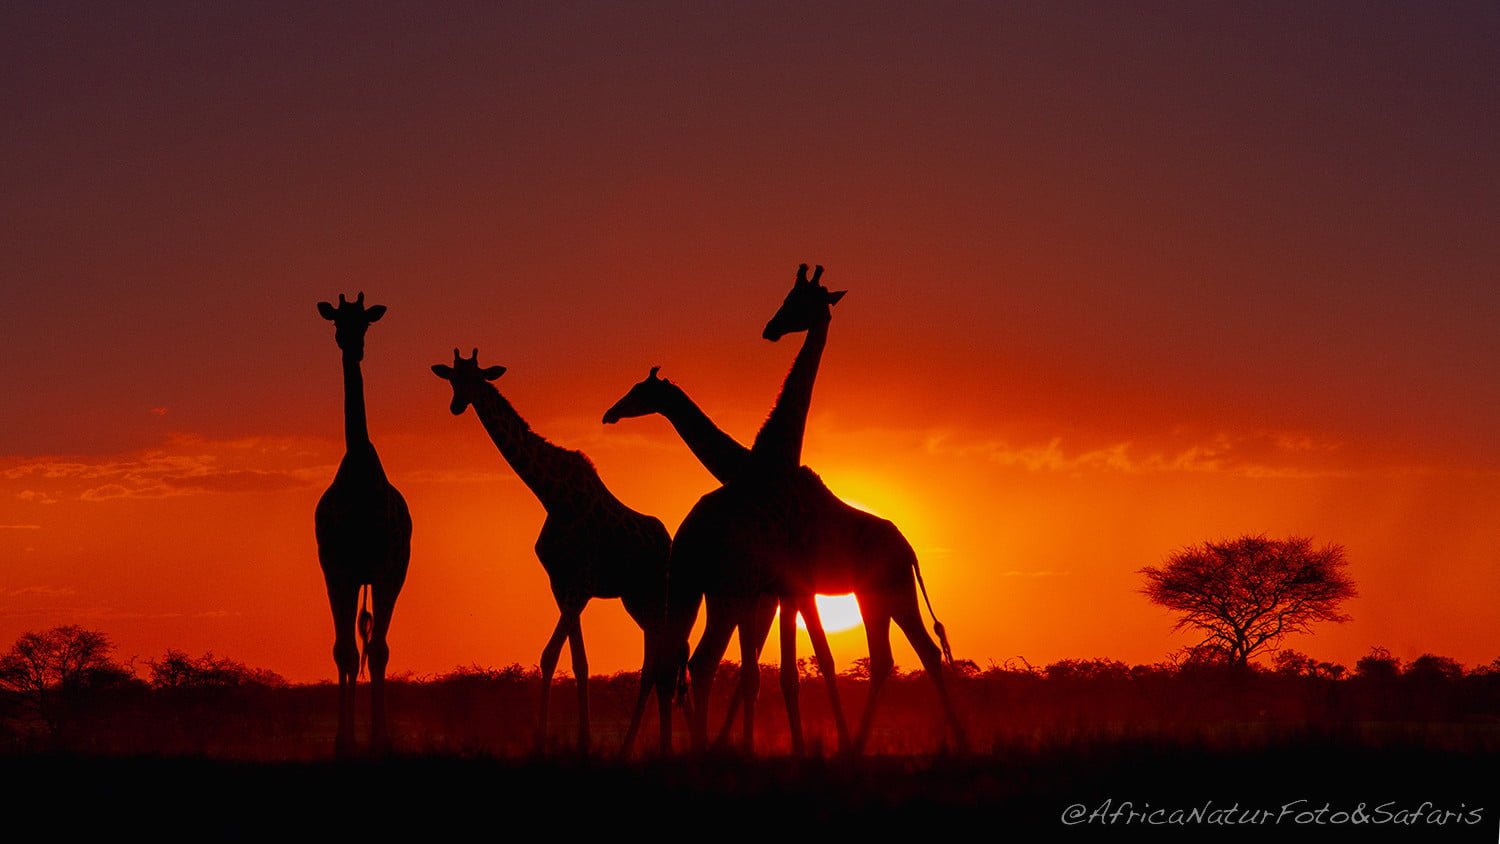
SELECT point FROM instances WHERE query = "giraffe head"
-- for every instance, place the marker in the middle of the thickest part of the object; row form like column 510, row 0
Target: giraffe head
column 643, row 399
column 350, row 319
column 466, row 378
column 809, row 304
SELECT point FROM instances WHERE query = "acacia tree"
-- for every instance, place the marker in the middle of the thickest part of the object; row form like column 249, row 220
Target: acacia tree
column 50, row 667
column 1245, row 594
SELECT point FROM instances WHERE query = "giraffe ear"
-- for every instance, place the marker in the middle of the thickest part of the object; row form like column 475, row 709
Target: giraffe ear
column 443, row 371
column 374, row 313
column 327, row 310
column 490, row 373
column 835, row 296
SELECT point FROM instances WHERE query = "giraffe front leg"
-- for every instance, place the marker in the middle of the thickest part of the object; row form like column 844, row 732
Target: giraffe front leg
column 671, row 665
column 747, row 689
column 704, row 664
column 549, row 665
column 581, row 677
column 825, row 667
column 648, row 680
column 789, row 689
column 763, row 613
column 875, row 611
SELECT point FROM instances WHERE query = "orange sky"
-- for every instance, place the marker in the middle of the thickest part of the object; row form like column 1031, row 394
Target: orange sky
column 1120, row 281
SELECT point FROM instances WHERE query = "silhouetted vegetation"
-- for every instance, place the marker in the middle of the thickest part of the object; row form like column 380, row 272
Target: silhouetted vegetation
column 55, row 672
column 177, row 670
column 1076, row 731
column 1244, row 595
column 219, row 707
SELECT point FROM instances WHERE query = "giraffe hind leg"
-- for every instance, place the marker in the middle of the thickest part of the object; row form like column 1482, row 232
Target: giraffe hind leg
column 344, row 603
column 909, row 618
column 875, row 611
column 704, row 664
column 762, row 615
column 378, row 654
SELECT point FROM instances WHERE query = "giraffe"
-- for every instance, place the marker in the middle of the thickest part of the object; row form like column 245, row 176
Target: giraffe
column 591, row 545
column 364, row 536
column 836, row 547
column 747, row 581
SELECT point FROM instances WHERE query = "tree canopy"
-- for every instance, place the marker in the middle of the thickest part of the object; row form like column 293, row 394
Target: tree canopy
column 61, row 658
column 1245, row 594
column 51, row 668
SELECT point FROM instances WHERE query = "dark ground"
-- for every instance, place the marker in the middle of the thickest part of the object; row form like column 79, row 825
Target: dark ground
column 1055, row 757
column 1271, row 793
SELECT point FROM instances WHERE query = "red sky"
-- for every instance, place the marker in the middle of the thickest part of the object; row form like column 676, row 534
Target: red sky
column 1121, row 279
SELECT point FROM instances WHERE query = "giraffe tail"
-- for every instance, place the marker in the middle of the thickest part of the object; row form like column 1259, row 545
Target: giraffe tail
column 367, row 628
column 937, row 626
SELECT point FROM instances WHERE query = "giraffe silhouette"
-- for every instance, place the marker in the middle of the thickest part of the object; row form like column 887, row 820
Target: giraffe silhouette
column 591, row 545
column 834, row 547
column 364, row 536
column 738, row 554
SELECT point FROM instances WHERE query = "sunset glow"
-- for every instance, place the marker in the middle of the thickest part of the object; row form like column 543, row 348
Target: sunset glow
column 838, row 613
column 1119, row 281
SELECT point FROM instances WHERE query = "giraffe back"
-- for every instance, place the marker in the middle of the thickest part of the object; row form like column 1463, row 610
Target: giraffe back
column 778, row 532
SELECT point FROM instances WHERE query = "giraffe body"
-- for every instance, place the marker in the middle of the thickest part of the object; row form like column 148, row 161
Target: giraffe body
column 591, row 545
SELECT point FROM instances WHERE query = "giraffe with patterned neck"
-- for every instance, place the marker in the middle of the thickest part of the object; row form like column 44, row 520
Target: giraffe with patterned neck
column 364, row 537
column 846, row 549
column 591, row 545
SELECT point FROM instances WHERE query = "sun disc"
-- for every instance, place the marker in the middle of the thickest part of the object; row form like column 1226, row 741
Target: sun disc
column 838, row 612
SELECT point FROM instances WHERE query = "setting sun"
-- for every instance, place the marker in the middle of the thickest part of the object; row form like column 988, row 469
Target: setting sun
column 839, row 613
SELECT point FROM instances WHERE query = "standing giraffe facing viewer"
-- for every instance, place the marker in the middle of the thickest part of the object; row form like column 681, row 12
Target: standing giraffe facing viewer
column 364, row 536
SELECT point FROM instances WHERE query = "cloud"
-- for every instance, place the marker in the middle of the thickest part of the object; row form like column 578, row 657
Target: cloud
column 76, row 614
column 108, row 491
column 238, row 480
column 36, row 592
column 186, row 465
column 1259, row 454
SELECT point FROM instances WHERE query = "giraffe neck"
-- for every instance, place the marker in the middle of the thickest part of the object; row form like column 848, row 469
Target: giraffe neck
column 719, row 453
column 356, row 429
column 558, row 477
column 779, row 443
